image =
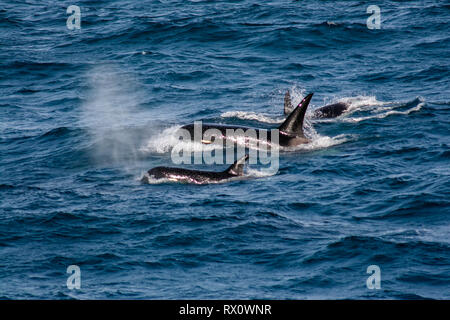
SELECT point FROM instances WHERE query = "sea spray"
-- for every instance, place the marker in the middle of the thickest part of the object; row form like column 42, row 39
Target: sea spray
column 109, row 114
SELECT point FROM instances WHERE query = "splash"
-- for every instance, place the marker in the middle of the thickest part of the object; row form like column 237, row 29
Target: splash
column 146, row 178
column 168, row 138
column 297, row 95
column 318, row 141
column 360, row 101
column 162, row 142
column 259, row 173
column 385, row 111
column 260, row 117
column 356, row 104
column 323, row 142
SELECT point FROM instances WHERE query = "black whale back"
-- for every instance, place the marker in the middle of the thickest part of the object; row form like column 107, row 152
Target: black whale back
column 198, row 176
column 331, row 110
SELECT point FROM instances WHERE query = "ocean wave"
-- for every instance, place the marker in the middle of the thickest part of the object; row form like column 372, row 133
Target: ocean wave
column 319, row 142
column 384, row 112
column 356, row 103
column 6, row 186
column 57, row 132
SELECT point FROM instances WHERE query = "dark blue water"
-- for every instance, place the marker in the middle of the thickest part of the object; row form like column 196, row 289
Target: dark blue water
column 85, row 113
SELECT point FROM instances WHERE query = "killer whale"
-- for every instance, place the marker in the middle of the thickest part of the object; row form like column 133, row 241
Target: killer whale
column 290, row 132
column 197, row 176
column 329, row 111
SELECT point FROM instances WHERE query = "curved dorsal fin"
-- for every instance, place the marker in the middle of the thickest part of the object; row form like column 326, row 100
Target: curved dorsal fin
column 287, row 103
column 293, row 125
column 237, row 168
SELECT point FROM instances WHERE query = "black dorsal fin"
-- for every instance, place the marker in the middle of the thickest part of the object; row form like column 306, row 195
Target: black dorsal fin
column 237, row 168
column 287, row 103
column 293, row 125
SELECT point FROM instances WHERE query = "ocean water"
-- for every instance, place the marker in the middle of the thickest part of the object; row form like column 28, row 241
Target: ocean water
column 84, row 113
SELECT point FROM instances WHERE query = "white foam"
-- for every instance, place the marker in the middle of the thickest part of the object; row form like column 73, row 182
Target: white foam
column 361, row 101
column 152, row 180
column 323, row 142
column 356, row 103
column 369, row 104
column 318, row 141
column 168, row 138
column 261, row 173
column 384, row 113
column 162, row 142
column 247, row 115
column 296, row 94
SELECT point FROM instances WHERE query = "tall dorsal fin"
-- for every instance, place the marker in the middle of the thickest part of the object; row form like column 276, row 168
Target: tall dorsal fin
column 237, row 168
column 287, row 103
column 293, row 125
